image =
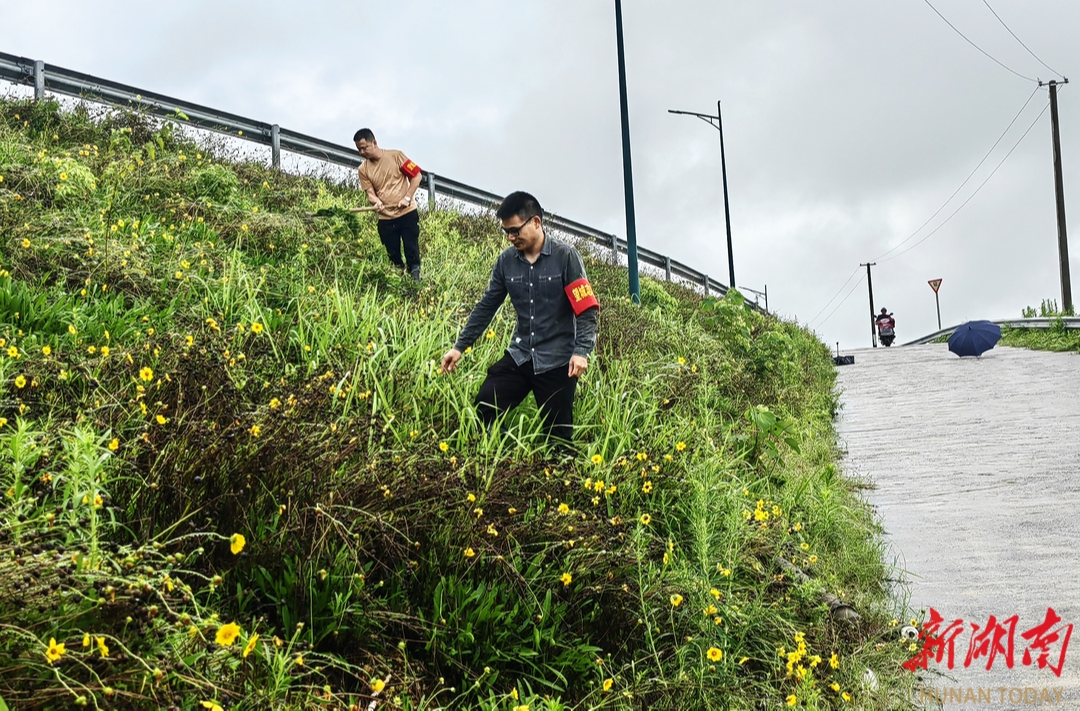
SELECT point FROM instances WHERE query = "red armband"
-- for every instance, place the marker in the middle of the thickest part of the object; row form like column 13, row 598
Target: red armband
column 581, row 296
column 410, row 169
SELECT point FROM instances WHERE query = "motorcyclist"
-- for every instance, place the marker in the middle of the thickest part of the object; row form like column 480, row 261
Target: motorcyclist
column 886, row 326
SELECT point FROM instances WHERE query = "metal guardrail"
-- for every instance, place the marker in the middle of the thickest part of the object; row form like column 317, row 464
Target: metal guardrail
column 1066, row 321
column 48, row 77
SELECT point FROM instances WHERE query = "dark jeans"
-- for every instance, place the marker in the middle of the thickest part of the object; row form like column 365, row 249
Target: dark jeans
column 507, row 385
column 404, row 230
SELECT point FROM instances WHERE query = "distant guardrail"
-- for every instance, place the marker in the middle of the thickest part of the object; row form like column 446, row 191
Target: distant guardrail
column 48, row 77
column 1066, row 321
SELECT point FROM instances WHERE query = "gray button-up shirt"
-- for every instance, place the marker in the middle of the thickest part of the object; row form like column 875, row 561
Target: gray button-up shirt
column 547, row 331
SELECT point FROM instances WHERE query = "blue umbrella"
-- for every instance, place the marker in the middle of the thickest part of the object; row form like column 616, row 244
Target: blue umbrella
column 974, row 338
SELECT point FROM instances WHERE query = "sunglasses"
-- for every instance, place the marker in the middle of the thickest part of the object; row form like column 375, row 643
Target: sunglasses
column 515, row 231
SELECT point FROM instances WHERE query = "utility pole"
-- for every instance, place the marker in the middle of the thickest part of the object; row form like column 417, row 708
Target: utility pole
column 870, row 285
column 1063, row 240
column 628, row 172
column 719, row 125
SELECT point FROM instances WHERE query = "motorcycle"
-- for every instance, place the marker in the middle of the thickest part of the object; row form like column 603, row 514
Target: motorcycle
column 886, row 330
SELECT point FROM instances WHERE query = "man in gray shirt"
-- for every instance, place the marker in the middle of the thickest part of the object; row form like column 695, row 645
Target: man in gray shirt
column 556, row 321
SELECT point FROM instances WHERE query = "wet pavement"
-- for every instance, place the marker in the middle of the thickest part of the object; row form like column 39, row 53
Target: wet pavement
column 974, row 466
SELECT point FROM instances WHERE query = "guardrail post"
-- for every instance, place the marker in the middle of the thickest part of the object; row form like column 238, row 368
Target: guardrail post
column 705, row 283
column 667, row 268
column 431, row 191
column 275, row 146
column 39, row 80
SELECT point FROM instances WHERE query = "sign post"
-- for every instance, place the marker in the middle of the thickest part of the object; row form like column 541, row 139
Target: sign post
column 935, row 284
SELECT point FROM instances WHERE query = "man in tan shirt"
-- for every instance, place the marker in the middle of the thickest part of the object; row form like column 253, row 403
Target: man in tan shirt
column 390, row 180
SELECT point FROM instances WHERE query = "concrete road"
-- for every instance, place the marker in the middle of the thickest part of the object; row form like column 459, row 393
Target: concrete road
column 974, row 469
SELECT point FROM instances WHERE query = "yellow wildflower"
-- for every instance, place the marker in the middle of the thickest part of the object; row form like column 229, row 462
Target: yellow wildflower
column 250, row 646
column 676, row 600
column 47, row 350
column 146, row 374
column 566, row 579
column 227, row 634
column 274, row 403
column 680, row 446
column 237, row 543
column 161, row 419
column 792, row 700
column 564, row 509
column 55, row 651
column 255, row 430
column 608, row 683
column 20, row 382
column 469, row 552
column 444, row 447
column 645, row 518
column 256, row 327
column 597, row 459
column 102, row 647
column 834, row 661
column 378, row 685
column 714, row 654
column 211, row 705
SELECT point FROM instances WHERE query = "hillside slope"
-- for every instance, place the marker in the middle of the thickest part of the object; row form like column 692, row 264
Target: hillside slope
column 235, row 477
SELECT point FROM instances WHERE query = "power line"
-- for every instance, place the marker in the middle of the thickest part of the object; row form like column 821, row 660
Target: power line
column 833, row 298
column 1021, row 41
column 852, row 291
column 988, row 55
column 972, row 173
column 931, row 233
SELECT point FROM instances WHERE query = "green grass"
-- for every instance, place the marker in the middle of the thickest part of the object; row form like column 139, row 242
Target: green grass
column 194, row 359
column 1054, row 338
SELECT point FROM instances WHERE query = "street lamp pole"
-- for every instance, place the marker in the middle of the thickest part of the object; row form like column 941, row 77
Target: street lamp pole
column 628, row 172
column 717, row 123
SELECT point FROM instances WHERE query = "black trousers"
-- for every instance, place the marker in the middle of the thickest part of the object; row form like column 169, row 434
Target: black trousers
column 508, row 384
column 404, row 230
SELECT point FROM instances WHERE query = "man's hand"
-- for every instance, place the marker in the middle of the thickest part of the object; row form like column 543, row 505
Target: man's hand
column 378, row 205
column 450, row 360
column 578, row 364
column 404, row 202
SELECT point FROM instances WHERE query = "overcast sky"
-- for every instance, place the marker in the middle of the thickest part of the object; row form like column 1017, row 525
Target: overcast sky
column 847, row 123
